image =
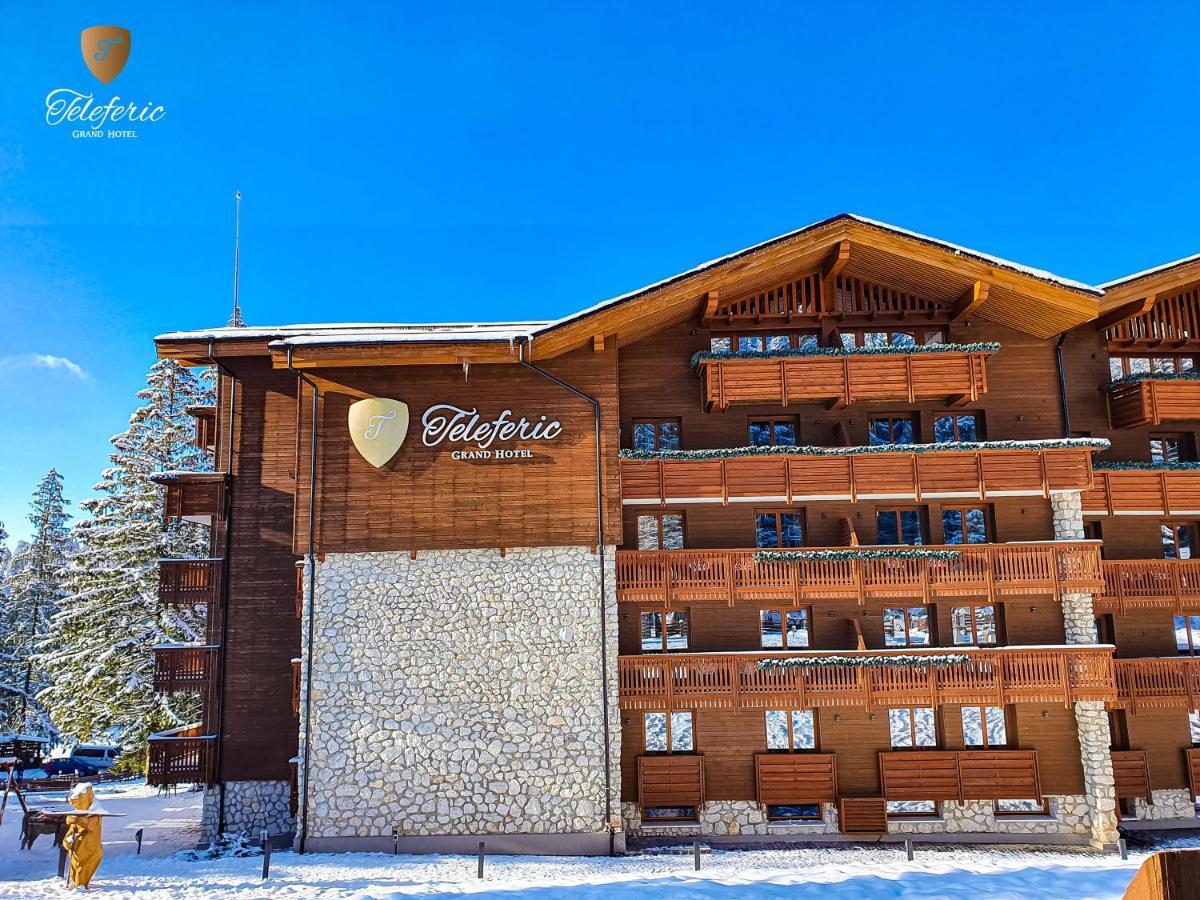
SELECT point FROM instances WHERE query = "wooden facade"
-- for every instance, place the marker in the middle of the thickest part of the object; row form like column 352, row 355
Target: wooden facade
column 844, row 285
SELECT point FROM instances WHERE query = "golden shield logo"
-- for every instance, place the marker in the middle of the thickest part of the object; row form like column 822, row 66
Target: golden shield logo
column 377, row 427
column 105, row 50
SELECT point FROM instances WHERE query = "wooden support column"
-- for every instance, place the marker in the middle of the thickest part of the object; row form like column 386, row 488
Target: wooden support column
column 969, row 302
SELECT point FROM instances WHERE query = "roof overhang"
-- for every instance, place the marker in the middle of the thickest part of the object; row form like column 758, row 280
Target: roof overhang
column 990, row 288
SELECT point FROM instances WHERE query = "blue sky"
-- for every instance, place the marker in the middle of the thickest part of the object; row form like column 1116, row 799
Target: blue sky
column 484, row 161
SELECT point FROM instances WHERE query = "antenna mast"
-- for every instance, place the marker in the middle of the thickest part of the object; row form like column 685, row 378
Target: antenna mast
column 236, row 320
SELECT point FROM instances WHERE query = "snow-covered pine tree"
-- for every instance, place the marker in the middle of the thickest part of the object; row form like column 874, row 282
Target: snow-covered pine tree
column 33, row 592
column 99, row 651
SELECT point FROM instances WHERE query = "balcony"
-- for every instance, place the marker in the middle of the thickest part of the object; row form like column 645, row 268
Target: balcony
column 1153, row 401
column 1166, row 683
column 206, row 426
column 994, row 676
column 960, row 775
column 842, row 380
column 184, row 667
column 673, row 781
column 795, row 779
column 1133, row 584
column 993, row 571
column 1192, row 761
column 192, row 496
column 1157, row 491
column 180, row 756
column 1131, row 773
column 802, row 474
column 188, row 582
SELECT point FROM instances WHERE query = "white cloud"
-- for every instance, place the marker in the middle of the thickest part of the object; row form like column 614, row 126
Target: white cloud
column 42, row 361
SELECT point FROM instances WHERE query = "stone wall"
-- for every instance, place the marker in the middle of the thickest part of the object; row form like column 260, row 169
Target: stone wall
column 459, row 693
column 250, row 807
column 1091, row 719
column 1170, row 803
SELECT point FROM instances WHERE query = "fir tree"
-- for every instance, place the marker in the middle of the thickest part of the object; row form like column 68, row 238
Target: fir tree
column 100, row 649
column 32, row 596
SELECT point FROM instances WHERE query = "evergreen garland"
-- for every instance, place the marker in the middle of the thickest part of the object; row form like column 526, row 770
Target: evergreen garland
column 900, row 660
column 794, row 556
column 1132, row 465
column 979, row 347
column 1191, row 375
column 781, row 450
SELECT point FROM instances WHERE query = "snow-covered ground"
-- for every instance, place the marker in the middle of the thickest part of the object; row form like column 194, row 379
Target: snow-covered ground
column 864, row 873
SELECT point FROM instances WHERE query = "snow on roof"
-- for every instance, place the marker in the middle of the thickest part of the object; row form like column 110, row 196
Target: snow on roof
column 8, row 738
column 326, row 334
column 1151, row 271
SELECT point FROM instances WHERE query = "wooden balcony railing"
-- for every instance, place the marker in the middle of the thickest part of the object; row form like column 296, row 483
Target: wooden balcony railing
column 1132, row 584
column 788, row 478
column 1167, row 683
column 842, row 380
column 1153, row 401
column 672, row 780
column 187, row 582
column 1131, row 773
column 1117, row 492
column 180, row 756
column 995, row 677
column 193, row 496
column 792, row 779
column 184, row 667
column 993, row 571
column 862, row 815
column 960, row 775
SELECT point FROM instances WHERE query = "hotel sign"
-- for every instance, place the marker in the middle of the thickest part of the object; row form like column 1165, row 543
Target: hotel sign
column 378, row 427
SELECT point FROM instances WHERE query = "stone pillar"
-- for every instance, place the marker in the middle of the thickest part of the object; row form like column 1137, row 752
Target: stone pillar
column 1091, row 719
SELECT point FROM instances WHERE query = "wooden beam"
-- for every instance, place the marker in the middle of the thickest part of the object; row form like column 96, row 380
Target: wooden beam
column 830, row 269
column 836, row 261
column 1126, row 311
column 975, row 296
column 711, row 300
column 598, row 343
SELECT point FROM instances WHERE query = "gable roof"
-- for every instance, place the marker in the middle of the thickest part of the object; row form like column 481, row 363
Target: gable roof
column 1023, row 297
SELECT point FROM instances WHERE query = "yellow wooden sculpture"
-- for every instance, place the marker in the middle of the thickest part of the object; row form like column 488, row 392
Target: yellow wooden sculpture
column 83, row 838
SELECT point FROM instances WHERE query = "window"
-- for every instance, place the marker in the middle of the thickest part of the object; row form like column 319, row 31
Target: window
column 915, row 727
column 1178, row 539
column 791, row 729
column 984, row 726
column 906, row 627
column 664, row 630
column 898, row 526
column 749, row 343
column 1187, row 634
column 778, row 432
column 651, row 435
column 908, row 337
column 899, row 809
column 1022, row 807
column 660, row 531
column 974, row 624
column 1170, row 448
column 774, row 634
column 964, row 525
column 962, row 427
column 668, row 813
column 809, row 811
column 720, row 344
column 1120, row 366
column 1104, row 629
column 669, row 732
column 891, row 430
column 778, row 529
column 1194, row 725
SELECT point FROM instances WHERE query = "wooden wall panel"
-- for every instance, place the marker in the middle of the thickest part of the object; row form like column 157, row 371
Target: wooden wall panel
column 261, row 731
column 423, row 499
column 1161, row 733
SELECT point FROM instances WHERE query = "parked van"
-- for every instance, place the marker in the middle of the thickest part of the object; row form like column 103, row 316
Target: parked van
column 101, row 756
